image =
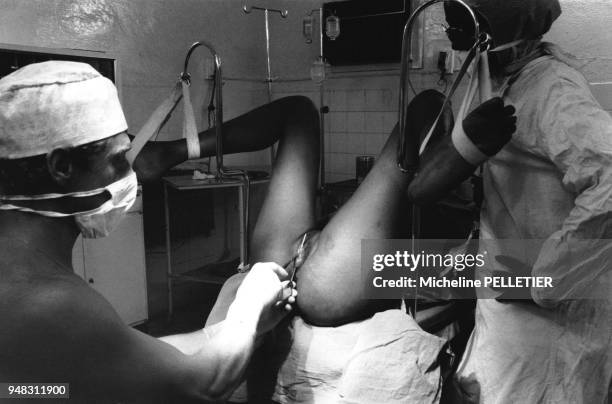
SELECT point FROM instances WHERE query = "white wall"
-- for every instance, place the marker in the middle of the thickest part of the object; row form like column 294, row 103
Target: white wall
column 150, row 39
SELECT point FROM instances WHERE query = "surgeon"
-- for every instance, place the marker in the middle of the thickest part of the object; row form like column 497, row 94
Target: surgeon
column 551, row 187
column 63, row 171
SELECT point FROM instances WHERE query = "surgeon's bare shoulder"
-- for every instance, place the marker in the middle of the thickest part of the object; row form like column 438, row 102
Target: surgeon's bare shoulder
column 61, row 330
column 53, row 318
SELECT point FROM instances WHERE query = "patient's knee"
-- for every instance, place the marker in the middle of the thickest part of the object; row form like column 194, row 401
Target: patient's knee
column 300, row 103
column 301, row 111
column 329, row 295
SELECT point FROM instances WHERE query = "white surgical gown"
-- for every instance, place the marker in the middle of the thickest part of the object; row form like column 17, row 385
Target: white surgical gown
column 552, row 183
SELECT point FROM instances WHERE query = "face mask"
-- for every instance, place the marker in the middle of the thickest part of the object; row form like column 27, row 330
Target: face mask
column 506, row 46
column 95, row 223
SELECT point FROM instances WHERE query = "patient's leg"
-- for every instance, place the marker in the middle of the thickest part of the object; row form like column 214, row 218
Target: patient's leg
column 288, row 209
column 330, row 282
column 255, row 130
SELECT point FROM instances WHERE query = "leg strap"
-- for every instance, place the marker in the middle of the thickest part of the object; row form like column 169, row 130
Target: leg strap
column 160, row 116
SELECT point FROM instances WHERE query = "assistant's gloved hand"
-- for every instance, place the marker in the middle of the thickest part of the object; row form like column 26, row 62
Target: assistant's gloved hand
column 265, row 293
column 490, row 126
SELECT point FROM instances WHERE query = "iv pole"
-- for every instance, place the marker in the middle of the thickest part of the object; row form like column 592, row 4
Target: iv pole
column 269, row 79
column 323, row 109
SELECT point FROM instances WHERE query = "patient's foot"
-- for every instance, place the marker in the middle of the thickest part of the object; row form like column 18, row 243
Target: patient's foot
column 156, row 159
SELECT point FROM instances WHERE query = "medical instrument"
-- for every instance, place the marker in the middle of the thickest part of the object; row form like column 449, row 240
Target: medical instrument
column 293, row 260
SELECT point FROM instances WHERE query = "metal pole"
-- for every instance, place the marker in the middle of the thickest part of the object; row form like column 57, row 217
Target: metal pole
column 321, row 31
column 268, row 64
column 408, row 149
column 322, row 106
column 269, row 78
column 322, row 136
column 168, row 252
column 222, row 172
column 243, row 230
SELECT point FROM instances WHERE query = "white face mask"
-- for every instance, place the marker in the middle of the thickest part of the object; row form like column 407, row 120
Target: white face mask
column 94, row 223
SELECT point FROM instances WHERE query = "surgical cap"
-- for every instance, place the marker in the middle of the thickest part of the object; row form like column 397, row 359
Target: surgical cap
column 56, row 104
column 510, row 20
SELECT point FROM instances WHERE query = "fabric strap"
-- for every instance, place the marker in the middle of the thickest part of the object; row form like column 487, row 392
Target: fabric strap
column 161, row 115
column 464, row 146
column 190, row 132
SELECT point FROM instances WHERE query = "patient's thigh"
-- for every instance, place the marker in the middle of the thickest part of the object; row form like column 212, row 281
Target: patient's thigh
column 331, row 290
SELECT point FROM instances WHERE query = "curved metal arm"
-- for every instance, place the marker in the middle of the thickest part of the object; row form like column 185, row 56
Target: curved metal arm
column 408, row 149
column 222, row 172
column 218, row 98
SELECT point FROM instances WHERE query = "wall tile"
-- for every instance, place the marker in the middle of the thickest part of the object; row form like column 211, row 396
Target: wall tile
column 347, row 163
column 327, row 141
column 337, row 100
column 355, row 100
column 355, row 122
column 373, row 143
column 390, row 99
column 355, row 143
column 389, row 121
column 337, row 121
column 374, row 100
column 374, row 122
column 326, row 123
column 335, row 162
column 337, row 142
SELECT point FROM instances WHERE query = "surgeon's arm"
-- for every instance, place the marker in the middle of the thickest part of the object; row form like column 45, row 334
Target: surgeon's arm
column 442, row 167
column 88, row 346
column 577, row 137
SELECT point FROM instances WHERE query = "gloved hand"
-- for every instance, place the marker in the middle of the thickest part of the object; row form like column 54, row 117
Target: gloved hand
column 490, row 126
column 265, row 292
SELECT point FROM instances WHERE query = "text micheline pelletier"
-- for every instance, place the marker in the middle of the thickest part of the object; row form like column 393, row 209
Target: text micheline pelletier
column 407, row 261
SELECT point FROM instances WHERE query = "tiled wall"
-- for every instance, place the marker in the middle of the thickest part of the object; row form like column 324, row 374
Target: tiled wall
column 358, row 123
column 363, row 106
column 363, row 103
column 363, row 109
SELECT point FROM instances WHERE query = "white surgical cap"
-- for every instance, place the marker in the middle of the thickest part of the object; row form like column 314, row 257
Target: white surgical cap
column 56, row 104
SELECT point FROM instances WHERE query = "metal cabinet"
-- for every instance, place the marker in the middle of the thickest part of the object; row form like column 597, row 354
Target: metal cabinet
column 115, row 266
